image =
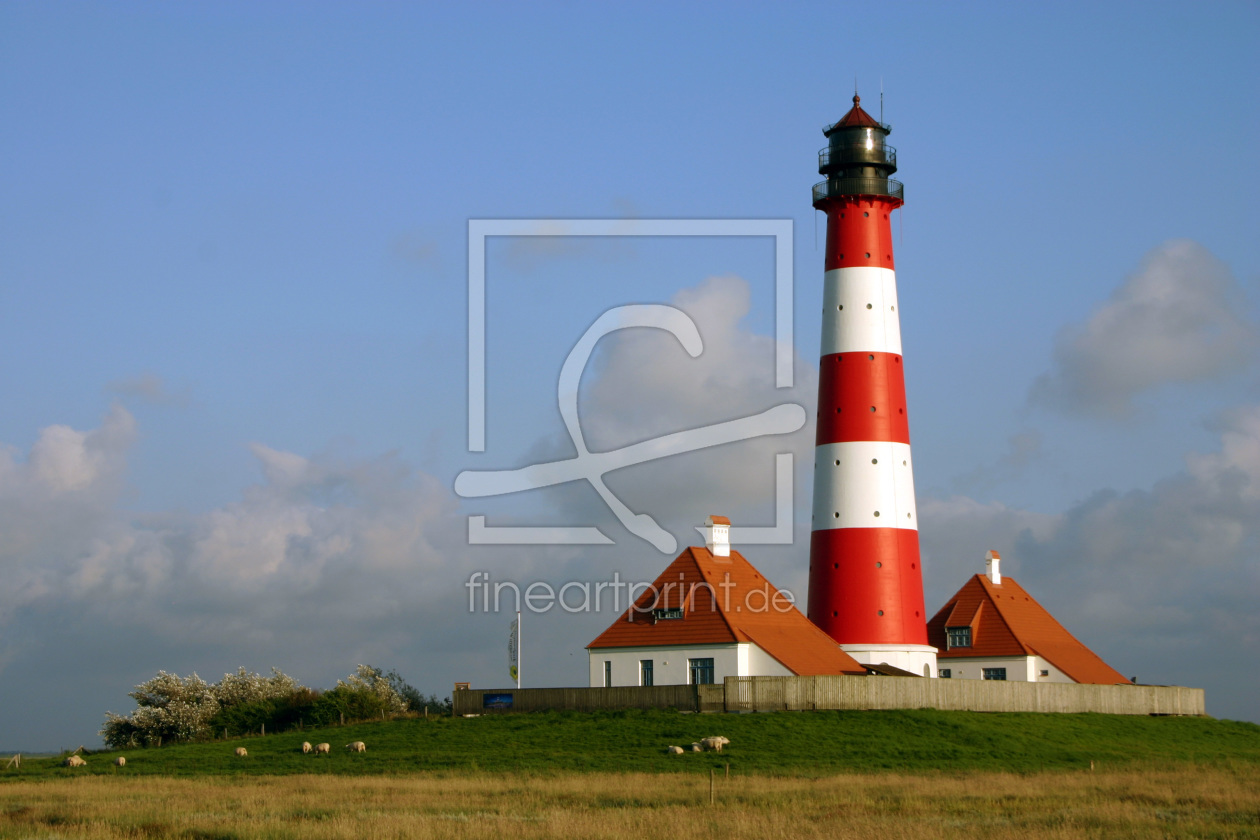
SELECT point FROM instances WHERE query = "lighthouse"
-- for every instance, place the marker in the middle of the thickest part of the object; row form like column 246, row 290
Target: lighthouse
column 865, row 580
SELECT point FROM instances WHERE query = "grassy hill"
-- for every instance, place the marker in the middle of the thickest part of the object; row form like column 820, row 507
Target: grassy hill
column 783, row 743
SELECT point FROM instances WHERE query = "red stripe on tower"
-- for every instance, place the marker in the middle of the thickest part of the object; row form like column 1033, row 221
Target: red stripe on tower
column 865, row 584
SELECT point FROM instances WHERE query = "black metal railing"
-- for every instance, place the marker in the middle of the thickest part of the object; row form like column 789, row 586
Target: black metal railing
column 857, row 154
column 834, row 187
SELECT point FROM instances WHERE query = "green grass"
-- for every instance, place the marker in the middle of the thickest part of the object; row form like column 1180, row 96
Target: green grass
column 786, row 743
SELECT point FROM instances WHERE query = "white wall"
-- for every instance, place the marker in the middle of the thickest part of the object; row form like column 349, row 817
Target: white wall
column 669, row 664
column 1018, row 668
column 917, row 659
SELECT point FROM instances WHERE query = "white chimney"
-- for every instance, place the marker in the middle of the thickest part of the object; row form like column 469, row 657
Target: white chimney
column 717, row 535
column 991, row 561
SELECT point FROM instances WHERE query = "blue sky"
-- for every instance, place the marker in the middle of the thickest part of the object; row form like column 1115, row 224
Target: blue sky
column 233, row 301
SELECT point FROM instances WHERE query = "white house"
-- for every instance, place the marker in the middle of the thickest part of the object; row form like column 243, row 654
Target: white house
column 711, row 615
column 993, row 630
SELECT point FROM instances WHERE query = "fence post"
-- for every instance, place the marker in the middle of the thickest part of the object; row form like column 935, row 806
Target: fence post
column 712, row 784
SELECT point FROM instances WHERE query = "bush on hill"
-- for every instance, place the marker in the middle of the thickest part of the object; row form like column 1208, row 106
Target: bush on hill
column 173, row 709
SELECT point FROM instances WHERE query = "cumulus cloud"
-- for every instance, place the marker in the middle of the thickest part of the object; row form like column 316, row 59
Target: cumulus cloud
column 643, row 385
column 1177, row 320
column 322, row 560
column 1163, row 582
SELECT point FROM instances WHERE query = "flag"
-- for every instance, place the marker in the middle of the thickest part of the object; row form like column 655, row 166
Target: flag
column 514, row 640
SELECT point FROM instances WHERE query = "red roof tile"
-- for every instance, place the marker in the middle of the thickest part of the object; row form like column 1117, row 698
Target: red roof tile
column 856, row 118
column 1006, row 621
column 725, row 600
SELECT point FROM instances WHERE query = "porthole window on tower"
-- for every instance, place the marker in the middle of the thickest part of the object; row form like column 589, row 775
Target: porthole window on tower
column 868, row 306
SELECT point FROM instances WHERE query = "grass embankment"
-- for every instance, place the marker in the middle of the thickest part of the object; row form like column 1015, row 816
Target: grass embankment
column 1206, row 802
column 785, row 743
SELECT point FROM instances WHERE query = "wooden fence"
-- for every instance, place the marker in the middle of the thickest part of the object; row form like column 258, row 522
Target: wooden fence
column 764, row 694
column 771, row 694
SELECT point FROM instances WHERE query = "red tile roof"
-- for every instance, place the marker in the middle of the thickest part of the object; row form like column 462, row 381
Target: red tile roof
column 725, row 600
column 856, row 118
column 1006, row 621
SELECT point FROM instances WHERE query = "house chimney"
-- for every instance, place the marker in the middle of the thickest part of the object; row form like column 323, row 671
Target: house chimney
column 991, row 561
column 717, row 535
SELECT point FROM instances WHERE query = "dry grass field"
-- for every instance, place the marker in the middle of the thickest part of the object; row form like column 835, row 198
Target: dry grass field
column 1189, row 801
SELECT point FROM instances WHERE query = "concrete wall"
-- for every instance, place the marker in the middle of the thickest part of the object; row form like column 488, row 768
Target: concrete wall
column 763, row 694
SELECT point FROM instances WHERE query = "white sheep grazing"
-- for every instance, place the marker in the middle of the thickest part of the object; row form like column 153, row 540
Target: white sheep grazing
column 714, row 743
column 356, row 746
column 121, row 761
column 675, row 750
column 695, row 747
column 242, row 752
column 74, row 761
column 306, row 746
column 323, row 748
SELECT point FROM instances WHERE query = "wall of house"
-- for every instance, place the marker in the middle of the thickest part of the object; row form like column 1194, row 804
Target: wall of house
column 669, row 664
column 1018, row 668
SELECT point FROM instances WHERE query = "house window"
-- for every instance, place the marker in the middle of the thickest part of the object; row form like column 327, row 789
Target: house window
column 668, row 614
column 959, row 636
column 701, row 671
column 995, row 673
column 607, row 673
column 1045, row 673
column 645, row 672
column 945, row 674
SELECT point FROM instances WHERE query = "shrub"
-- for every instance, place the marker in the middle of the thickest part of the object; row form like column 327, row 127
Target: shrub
column 172, row 708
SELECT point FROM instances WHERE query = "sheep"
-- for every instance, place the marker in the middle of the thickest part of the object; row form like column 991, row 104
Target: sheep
column 356, row 746
column 74, row 761
column 695, row 747
column 242, row 752
column 714, row 742
column 121, row 761
column 306, row 747
column 675, row 750
column 322, row 748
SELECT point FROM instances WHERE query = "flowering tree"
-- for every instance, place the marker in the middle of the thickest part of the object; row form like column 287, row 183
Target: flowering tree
column 171, row 708
column 371, row 680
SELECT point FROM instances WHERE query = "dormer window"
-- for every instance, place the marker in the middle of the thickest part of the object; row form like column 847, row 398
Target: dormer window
column 958, row 637
column 669, row 613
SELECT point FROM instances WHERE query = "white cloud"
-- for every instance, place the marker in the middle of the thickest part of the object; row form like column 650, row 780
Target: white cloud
column 1177, row 320
column 643, row 385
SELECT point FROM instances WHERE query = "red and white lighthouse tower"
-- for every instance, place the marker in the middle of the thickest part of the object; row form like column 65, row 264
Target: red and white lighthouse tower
column 865, row 583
